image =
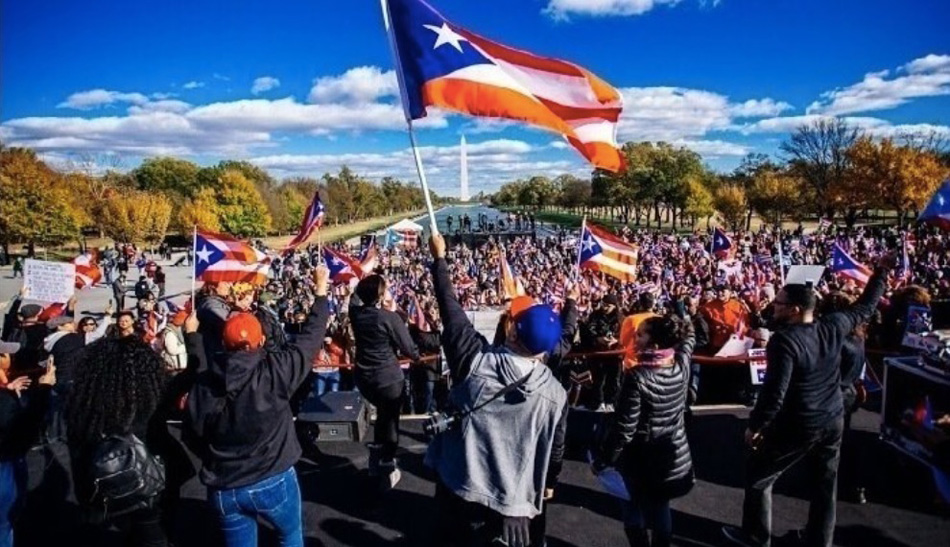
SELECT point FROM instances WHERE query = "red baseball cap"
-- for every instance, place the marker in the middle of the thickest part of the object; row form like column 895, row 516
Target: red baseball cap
column 242, row 331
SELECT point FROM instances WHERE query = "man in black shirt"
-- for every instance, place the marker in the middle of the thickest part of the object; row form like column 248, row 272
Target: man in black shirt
column 799, row 412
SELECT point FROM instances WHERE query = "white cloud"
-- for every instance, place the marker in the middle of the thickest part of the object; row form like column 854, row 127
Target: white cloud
column 924, row 77
column 363, row 84
column 788, row 124
column 264, row 83
column 558, row 145
column 671, row 113
column 713, row 148
column 176, row 127
column 85, row 100
column 560, row 9
column 193, row 85
column 221, row 77
column 756, row 108
column 161, row 96
column 490, row 164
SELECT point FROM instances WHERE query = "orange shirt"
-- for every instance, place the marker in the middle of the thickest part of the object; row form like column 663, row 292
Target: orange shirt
column 724, row 319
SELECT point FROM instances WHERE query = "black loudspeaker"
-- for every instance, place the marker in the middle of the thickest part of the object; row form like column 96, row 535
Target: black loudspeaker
column 337, row 415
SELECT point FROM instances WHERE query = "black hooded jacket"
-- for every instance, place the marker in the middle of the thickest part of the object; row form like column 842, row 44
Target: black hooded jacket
column 239, row 409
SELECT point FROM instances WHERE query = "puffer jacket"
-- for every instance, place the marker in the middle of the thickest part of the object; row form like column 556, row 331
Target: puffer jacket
column 647, row 433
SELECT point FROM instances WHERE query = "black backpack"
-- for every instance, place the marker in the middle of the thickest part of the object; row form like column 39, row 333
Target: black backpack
column 141, row 289
column 124, row 475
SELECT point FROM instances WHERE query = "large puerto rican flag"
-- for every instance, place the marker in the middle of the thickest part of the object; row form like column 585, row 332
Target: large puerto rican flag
column 843, row 265
column 312, row 219
column 443, row 65
column 604, row 252
column 220, row 258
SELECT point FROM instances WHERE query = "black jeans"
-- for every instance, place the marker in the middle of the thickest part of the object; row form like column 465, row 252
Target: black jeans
column 606, row 376
column 778, row 452
column 388, row 403
column 468, row 524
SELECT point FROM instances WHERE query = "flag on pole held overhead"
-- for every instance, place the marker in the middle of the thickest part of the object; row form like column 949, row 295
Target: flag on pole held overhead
column 721, row 244
column 604, row 252
column 511, row 285
column 369, row 257
column 938, row 210
column 443, row 65
column 312, row 220
column 223, row 258
column 87, row 269
column 342, row 268
column 844, row 265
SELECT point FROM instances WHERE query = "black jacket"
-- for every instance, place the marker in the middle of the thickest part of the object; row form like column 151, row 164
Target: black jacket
column 801, row 392
column 21, row 420
column 648, row 427
column 379, row 334
column 239, row 409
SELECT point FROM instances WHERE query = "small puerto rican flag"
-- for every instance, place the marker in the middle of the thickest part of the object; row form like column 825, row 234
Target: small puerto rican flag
column 845, row 266
column 312, row 219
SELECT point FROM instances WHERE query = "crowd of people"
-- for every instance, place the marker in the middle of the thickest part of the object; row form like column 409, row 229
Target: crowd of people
column 237, row 364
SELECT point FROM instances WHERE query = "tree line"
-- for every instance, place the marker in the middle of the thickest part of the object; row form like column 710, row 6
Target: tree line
column 827, row 169
column 45, row 206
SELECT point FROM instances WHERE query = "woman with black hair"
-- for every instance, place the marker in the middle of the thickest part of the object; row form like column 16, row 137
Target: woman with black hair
column 646, row 439
column 379, row 334
column 117, row 390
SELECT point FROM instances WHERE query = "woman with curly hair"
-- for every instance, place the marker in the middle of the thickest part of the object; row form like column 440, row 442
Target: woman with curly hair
column 118, row 389
column 647, row 438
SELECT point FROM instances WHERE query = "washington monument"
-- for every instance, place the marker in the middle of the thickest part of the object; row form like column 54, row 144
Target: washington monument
column 463, row 176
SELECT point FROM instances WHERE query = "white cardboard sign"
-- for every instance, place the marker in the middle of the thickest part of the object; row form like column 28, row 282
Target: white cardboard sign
column 49, row 281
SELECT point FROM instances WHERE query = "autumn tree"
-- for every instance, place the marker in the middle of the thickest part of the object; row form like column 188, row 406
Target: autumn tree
column 169, row 175
column 895, row 177
column 241, row 210
column 773, row 195
column 35, row 207
column 136, row 216
column 731, row 202
column 201, row 211
column 818, row 155
column 699, row 201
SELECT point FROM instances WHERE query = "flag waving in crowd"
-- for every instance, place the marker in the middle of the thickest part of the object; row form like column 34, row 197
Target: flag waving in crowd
column 511, row 285
column 220, row 257
column 844, row 265
column 938, row 210
column 604, row 252
column 440, row 64
column 342, row 268
column 721, row 243
column 87, row 269
column 312, row 220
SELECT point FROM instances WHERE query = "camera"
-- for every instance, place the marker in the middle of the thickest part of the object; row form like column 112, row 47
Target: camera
column 439, row 423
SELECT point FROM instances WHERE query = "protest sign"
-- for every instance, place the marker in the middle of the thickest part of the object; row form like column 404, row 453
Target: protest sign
column 49, row 281
column 802, row 275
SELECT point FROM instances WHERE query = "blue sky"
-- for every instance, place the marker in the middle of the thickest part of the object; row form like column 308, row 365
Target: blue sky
column 303, row 87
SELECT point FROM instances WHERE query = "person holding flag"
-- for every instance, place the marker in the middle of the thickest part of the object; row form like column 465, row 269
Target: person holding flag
column 937, row 211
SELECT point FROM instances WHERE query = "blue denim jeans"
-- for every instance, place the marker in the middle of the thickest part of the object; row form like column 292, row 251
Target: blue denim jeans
column 276, row 500
column 325, row 382
column 12, row 487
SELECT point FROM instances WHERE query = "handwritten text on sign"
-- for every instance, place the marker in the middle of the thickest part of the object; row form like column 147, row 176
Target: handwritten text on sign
column 49, row 281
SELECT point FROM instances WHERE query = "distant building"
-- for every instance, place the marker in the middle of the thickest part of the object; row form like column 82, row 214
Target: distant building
column 463, row 175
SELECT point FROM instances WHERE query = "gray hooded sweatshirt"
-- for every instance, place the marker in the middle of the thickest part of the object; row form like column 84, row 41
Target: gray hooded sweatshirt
column 503, row 455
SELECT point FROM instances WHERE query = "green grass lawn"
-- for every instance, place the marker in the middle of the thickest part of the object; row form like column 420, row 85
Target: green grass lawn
column 340, row 232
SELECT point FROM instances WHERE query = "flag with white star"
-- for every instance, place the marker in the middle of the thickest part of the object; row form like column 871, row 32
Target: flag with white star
column 721, row 244
column 312, row 219
column 938, row 210
column 222, row 258
column 604, row 252
column 342, row 268
column 844, row 265
column 443, row 65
